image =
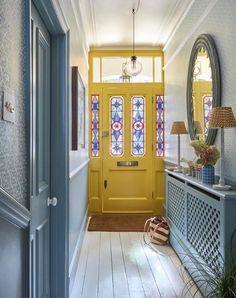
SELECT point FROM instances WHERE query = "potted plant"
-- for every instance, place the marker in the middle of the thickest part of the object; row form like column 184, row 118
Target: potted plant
column 218, row 281
column 215, row 277
column 207, row 157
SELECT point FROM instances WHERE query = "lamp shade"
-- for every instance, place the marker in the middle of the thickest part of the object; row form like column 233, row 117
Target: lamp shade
column 222, row 117
column 178, row 127
column 198, row 127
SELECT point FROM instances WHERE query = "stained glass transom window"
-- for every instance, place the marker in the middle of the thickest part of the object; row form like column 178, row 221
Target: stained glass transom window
column 138, row 126
column 117, row 127
column 207, row 108
column 159, row 126
column 95, row 125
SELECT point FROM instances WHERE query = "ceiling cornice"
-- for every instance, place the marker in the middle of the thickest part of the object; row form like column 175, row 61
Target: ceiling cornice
column 185, row 9
column 80, row 28
column 191, row 32
column 93, row 22
column 167, row 20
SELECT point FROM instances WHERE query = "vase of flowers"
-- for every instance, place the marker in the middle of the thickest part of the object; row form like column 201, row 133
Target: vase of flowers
column 208, row 174
column 207, row 158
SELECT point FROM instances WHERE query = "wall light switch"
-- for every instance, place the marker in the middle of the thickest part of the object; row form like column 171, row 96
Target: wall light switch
column 8, row 107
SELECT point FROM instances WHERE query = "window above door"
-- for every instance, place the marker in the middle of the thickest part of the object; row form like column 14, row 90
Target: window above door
column 108, row 68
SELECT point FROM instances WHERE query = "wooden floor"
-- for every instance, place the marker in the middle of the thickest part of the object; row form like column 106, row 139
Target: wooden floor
column 120, row 265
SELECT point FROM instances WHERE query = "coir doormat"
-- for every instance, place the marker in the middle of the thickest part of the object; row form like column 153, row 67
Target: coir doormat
column 118, row 222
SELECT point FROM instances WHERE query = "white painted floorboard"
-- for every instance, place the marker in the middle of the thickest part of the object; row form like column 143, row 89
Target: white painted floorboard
column 120, row 265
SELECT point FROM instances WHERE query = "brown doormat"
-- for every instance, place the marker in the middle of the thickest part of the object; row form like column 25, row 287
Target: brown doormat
column 118, row 222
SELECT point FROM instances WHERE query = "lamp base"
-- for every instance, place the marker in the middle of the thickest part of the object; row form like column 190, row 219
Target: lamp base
column 221, row 187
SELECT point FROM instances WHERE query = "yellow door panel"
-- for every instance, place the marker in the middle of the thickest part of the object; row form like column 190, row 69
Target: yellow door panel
column 127, row 177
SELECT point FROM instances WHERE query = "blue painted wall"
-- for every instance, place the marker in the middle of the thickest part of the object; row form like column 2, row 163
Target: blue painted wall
column 78, row 206
column 77, row 217
column 13, row 261
column 78, row 195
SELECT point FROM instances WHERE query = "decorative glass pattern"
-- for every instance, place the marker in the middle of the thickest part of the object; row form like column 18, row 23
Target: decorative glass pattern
column 117, row 133
column 159, row 125
column 138, row 126
column 95, row 125
column 207, row 109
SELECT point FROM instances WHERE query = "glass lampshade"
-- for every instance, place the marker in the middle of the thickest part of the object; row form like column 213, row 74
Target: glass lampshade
column 133, row 67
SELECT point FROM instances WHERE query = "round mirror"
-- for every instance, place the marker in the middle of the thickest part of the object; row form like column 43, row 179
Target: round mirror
column 203, row 88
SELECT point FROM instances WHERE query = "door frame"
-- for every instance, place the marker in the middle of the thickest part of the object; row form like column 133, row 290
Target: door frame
column 52, row 15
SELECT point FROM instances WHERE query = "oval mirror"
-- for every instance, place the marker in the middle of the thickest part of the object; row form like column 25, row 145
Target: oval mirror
column 203, row 88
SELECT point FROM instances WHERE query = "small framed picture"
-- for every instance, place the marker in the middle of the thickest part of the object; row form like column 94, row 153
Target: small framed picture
column 78, row 110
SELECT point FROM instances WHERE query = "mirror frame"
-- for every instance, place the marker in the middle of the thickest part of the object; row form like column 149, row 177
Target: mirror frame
column 203, row 41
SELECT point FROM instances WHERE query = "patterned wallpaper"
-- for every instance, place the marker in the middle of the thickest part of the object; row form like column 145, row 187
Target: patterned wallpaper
column 12, row 79
column 220, row 22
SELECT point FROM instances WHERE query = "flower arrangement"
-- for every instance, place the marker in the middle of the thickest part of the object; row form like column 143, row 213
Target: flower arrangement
column 207, row 155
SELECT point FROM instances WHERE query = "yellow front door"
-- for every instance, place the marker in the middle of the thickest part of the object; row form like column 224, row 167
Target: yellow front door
column 127, row 150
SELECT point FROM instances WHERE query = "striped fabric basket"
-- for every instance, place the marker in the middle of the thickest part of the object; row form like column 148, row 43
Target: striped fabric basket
column 156, row 230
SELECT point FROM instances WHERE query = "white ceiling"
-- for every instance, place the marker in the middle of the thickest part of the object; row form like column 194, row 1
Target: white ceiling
column 108, row 23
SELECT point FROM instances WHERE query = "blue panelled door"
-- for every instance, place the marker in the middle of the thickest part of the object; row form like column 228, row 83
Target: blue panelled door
column 40, row 157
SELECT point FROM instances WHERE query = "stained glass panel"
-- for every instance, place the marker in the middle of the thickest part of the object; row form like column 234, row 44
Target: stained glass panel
column 207, row 108
column 95, row 125
column 138, row 126
column 117, row 133
column 159, row 126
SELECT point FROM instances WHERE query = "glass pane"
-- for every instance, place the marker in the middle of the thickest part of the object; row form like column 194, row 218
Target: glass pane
column 117, row 134
column 138, row 126
column 96, row 70
column 95, row 126
column 159, row 126
column 146, row 75
column 112, row 69
column 207, row 108
column 158, row 70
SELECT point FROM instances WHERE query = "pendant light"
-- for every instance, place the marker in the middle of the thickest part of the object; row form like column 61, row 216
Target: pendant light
column 133, row 67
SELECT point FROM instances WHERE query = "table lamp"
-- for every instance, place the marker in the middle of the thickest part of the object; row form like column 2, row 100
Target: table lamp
column 222, row 117
column 178, row 128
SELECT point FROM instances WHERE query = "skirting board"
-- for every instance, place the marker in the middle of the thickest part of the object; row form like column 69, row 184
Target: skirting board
column 76, row 254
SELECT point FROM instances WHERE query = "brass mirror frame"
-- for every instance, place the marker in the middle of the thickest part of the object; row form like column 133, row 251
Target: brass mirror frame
column 203, row 41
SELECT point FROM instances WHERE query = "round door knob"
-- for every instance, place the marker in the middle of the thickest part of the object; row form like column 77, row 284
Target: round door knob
column 52, row 201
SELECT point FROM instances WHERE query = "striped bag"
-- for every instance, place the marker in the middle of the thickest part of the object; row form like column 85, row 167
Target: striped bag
column 157, row 230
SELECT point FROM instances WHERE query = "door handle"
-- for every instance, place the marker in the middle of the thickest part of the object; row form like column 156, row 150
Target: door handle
column 105, row 184
column 52, row 201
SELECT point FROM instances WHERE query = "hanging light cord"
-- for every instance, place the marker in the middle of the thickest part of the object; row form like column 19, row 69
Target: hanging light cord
column 135, row 12
column 133, row 29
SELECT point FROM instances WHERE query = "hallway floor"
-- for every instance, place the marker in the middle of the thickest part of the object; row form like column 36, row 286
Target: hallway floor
column 120, row 265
